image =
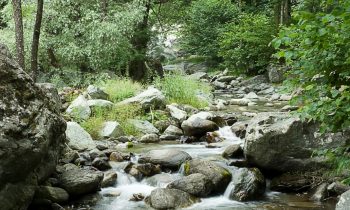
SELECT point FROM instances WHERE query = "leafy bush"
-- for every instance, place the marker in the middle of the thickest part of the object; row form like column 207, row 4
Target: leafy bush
column 120, row 88
column 206, row 18
column 244, row 45
column 183, row 90
column 120, row 114
column 317, row 49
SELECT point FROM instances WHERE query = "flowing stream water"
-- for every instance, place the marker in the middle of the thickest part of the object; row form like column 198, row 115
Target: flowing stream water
column 118, row 196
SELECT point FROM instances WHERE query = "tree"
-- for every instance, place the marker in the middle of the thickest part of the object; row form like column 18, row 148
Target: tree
column 17, row 16
column 36, row 39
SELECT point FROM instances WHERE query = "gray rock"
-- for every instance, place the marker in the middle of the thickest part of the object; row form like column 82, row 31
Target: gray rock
column 344, row 201
column 151, row 97
column 53, row 194
column 143, row 126
column 219, row 175
column 251, row 95
column 247, row 184
column 80, row 181
column 259, row 79
column 96, row 93
column 199, row 76
column 275, row 97
column 233, row 151
column 239, row 128
column 79, row 108
column 191, row 68
column 271, row 135
column 195, row 184
column 99, row 103
column 111, row 129
column 176, row 113
column 169, row 199
column 288, row 108
column 150, row 138
column 171, row 133
column 101, row 164
column 78, row 138
column 52, row 93
column 320, row 193
column 167, row 158
column 285, row 97
column 198, row 124
column 219, row 85
column 337, row 188
column 31, row 134
column 226, row 79
column 275, row 74
column 109, row 179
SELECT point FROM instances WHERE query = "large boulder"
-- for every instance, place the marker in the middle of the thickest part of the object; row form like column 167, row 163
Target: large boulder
column 283, row 143
column 78, row 181
column 79, row 108
column 99, row 104
column 151, row 97
column 195, row 184
column 96, row 93
column 344, row 201
column 177, row 113
column 111, row 129
column 78, row 138
column 143, row 126
column 219, row 175
column 32, row 134
column 169, row 199
column 275, row 74
column 247, row 184
column 199, row 124
column 53, row 194
column 167, row 158
column 171, row 133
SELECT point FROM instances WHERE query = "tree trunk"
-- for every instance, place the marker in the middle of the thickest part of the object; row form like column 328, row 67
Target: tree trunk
column 17, row 16
column 137, row 66
column 283, row 12
column 36, row 38
column 104, row 8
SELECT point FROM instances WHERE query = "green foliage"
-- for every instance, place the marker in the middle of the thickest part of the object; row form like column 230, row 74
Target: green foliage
column 206, row 19
column 317, row 49
column 183, row 90
column 244, row 45
column 118, row 113
column 339, row 161
column 120, row 88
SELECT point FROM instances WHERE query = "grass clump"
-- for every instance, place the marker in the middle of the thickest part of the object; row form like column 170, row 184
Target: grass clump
column 119, row 113
column 120, row 89
column 181, row 89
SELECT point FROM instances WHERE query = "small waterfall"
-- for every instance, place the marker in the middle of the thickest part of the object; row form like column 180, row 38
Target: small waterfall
column 227, row 134
column 228, row 190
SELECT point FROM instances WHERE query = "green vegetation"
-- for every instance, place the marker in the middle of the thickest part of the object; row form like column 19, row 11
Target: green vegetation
column 317, row 50
column 206, row 20
column 244, row 45
column 181, row 89
column 120, row 114
column 120, row 88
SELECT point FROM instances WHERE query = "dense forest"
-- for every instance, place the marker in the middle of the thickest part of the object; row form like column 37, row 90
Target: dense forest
column 123, row 46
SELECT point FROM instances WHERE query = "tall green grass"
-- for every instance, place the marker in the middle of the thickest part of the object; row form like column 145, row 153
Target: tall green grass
column 121, row 88
column 181, row 89
column 119, row 113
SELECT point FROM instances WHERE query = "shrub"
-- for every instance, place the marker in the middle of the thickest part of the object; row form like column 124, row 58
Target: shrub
column 317, row 49
column 183, row 90
column 245, row 45
column 206, row 18
column 120, row 88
